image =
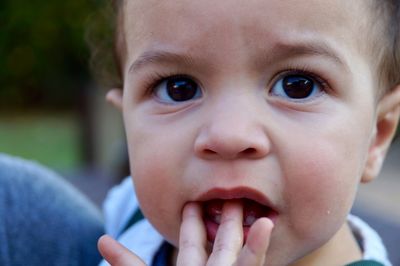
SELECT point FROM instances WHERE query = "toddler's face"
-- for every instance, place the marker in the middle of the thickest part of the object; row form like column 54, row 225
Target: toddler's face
column 268, row 101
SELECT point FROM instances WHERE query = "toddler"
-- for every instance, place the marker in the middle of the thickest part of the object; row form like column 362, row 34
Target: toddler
column 250, row 125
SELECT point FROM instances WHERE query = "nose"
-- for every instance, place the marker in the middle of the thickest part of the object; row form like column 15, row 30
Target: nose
column 232, row 135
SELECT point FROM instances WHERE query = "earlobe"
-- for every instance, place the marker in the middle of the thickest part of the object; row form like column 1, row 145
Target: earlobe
column 388, row 114
column 114, row 97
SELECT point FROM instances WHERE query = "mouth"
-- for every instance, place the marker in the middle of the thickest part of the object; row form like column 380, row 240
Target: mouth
column 254, row 206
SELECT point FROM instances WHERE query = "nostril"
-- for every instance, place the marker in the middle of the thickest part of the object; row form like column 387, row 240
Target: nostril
column 229, row 154
column 249, row 151
column 209, row 152
column 231, row 145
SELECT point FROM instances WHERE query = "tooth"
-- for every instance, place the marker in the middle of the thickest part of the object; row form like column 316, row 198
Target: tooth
column 217, row 219
column 249, row 220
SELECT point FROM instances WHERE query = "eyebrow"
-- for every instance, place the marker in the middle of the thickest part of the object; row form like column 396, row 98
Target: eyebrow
column 160, row 57
column 306, row 48
column 278, row 52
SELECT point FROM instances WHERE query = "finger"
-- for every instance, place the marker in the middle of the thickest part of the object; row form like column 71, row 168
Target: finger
column 229, row 239
column 192, row 238
column 253, row 252
column 116, row 254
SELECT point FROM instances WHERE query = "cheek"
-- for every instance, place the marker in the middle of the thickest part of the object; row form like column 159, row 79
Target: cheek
column 157, row 191
column 157, row 165
column 320, row 186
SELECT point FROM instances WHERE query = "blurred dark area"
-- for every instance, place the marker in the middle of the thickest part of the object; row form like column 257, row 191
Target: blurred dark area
column 50, row 104
column 44, row 58
column 44, row 62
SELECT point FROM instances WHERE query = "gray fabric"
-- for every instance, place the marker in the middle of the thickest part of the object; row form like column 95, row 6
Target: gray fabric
column 43, row 219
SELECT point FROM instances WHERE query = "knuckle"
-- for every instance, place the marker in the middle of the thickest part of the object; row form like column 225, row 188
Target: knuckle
column 230, row 219
column 188, row 244
column 225, row 248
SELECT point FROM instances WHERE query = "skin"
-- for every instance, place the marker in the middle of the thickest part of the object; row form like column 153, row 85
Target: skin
column 307, row 157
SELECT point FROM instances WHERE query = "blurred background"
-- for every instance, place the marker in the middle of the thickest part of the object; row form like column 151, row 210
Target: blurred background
column 53, row 111
column 51, row 108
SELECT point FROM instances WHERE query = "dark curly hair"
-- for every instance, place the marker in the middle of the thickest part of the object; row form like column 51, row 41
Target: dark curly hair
column 103, row 37
column 386, row 47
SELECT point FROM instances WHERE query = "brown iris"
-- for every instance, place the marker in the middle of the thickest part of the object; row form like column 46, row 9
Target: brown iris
column 297, row 86
column 181, row 88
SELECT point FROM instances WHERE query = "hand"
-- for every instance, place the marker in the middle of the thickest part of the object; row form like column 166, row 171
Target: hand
column 227, row 249
column 116, row 254
column 228, row 246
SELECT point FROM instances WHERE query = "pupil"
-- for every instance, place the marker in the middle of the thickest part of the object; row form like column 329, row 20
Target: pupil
column 181, row 89
column 297, row 87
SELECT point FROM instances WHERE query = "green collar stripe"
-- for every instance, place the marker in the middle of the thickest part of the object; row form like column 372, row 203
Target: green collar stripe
column 136, row 217
column 365, row 263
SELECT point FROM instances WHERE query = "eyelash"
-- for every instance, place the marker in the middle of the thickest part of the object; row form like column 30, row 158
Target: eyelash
column 155, row 78
column 152, row 80
column 324, row 83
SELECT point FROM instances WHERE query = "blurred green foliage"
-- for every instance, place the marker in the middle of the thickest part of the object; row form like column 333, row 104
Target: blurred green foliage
column 51, row 139
column 43, row 54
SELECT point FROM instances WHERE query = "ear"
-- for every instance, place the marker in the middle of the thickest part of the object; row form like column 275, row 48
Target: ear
column 114, row 97
column 388, row 113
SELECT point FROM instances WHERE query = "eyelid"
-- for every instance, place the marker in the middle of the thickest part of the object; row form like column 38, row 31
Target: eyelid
column 304, row 72
column 160, row 79
column 322, row 83
column 155, row 78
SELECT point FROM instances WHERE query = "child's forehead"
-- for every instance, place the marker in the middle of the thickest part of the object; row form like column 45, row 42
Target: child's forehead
column 197, row 25
column 257, row 10
column 173, row 16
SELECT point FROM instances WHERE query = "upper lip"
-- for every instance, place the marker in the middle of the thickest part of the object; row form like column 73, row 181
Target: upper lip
column 236, row 193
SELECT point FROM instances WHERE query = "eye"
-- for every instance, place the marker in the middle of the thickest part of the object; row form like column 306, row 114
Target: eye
column 297, row 87
column 177, row 89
